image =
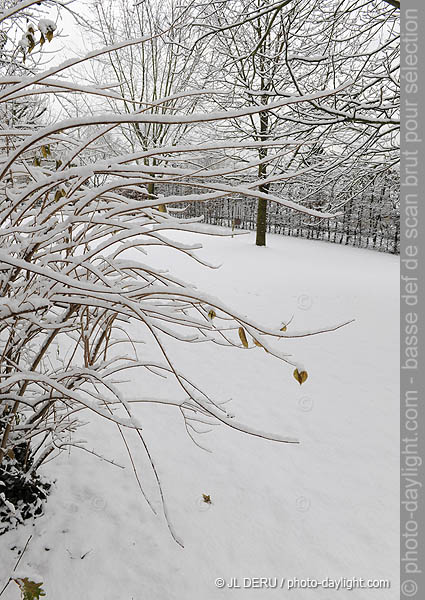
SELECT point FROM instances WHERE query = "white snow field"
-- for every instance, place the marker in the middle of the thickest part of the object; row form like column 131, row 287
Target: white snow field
column 326, row 508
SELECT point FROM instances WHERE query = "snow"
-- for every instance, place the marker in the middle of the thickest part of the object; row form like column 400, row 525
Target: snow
column 46, row 26
column 323, row 508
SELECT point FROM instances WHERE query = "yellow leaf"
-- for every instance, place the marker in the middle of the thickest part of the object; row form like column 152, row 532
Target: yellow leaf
column 30, row 589
column 31, row 43
column 37, row 161
column 45, row 151
column 212, row 314
column 300, row 376
column 283, row 328
column 259, row 345
column 206, row 498
column 49, row 35
column 42, row 40
column 59, row 194
column 243, row 337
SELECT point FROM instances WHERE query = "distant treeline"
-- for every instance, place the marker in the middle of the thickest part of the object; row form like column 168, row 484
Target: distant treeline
column 369, row 218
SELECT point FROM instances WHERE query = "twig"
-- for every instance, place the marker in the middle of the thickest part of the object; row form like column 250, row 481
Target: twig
column 16, row 565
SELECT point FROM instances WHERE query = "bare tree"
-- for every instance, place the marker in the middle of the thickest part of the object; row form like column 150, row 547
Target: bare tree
column 284, row 49
column 157, row 74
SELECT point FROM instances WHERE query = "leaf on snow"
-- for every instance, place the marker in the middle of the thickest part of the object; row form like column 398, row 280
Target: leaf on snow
column 30, row 589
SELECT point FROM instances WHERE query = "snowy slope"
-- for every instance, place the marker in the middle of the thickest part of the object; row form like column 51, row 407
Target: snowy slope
column 325, row 508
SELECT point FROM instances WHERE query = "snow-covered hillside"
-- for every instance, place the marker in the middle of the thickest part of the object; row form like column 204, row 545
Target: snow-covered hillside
column 325, row 508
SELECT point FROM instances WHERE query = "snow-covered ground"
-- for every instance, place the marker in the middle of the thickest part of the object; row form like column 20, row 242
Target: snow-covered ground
column 327, row 508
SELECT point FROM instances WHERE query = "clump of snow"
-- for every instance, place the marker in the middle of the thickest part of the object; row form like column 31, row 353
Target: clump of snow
column 46, row 26
column 9, row 505
column 23, row 42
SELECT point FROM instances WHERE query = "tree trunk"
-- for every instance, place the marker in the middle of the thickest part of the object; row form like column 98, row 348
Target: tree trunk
column 262, row 173
column 151, row 190
column 261, row 222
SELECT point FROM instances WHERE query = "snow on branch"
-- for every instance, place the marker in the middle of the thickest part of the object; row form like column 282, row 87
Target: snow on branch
column 74, row 221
